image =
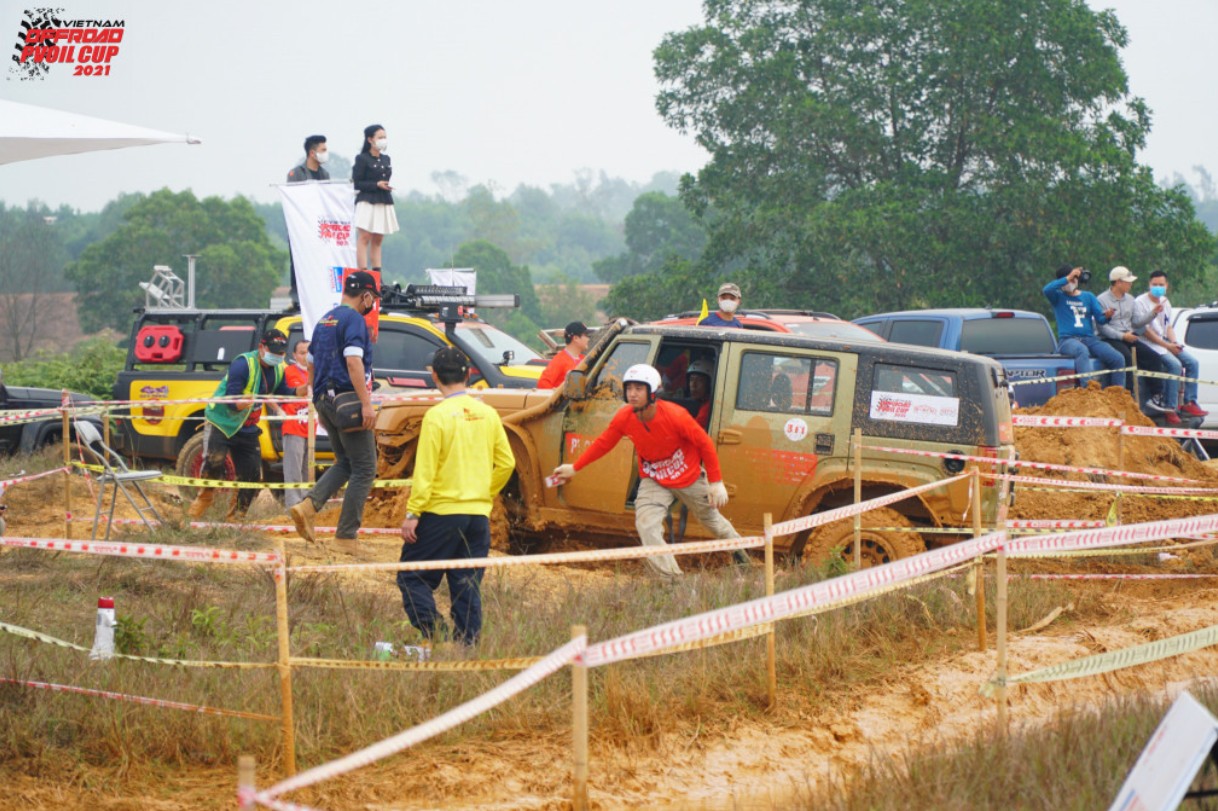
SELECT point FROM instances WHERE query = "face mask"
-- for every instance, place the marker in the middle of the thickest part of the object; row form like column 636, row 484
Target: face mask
column 728, row 305
column 271, row 359
column 322, row 157
column 1158, row 290
column 1070, row 287
column 381, row 144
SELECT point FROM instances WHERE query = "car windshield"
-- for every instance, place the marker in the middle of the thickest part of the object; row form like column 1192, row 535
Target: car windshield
column 833, row 330
column 1007, row 336
column 486, row 344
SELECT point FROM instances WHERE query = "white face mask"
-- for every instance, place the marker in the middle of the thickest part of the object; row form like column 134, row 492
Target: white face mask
column 728, row 305
column 381, row 144
column 321, row 157
column 1070, row 287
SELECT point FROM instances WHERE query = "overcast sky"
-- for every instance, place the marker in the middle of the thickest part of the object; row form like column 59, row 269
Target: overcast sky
column 529, row 91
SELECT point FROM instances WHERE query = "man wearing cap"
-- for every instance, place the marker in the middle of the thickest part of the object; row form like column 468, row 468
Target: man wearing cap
column 1121, row 333
column 725, row 316
column 231, row 427
column 340, row 361
column 462, row 462
column 576, row 335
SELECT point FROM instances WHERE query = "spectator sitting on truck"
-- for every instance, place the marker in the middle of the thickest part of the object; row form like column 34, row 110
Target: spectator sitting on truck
column 1073, row 310
column 231, row 426
column 1121, row 333
column 1160, row 336
column 729, row 302
column 576, row 336
column 296, row 427
column 316, row 156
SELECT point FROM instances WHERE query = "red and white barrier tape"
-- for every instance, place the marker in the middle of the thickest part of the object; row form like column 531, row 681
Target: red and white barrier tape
column 1094, row 471
column 522, row 681
column 1111, row 576
column 1187, row 433
column 817, row 596
column 849, row 511
column 146, row 551
column 286, row 528
column 151, row 702
column 1054, row 523
column 1112, row 536
column 7, row 483
column 1032, row 421
column 1124, row 488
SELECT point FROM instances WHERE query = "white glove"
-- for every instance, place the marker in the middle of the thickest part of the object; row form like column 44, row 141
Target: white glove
column 564, row 473
column 718, row 495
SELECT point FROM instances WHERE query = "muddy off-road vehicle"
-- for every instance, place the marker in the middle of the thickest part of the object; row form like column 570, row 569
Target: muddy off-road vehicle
column 783, row 411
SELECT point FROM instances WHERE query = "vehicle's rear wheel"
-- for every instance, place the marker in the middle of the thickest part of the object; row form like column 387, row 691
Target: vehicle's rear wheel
column 879, row 544
column 190, row 463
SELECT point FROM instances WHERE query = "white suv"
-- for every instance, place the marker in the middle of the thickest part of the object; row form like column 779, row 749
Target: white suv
column 1197, row 329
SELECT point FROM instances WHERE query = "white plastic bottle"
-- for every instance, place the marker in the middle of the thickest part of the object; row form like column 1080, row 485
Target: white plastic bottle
column 103, row 638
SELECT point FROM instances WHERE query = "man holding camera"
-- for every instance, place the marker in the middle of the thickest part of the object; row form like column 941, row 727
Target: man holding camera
column 1074, row 310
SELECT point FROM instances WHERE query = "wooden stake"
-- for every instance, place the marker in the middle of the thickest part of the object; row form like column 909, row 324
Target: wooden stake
column 858, row 497
column 246, row 785
column 771, row 660
column 979, row 580
column 1001, row 575
column 106, row 427
column 1120, row 464
column 1133, row 353
column 285, row 667
column 579, row 728
column 67, row 462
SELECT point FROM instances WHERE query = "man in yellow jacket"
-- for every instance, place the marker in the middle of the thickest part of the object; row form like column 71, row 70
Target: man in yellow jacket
column 462, row 462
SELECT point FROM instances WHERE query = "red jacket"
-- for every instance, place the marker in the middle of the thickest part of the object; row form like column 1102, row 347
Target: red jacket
column 672, row 448
column 294, row 376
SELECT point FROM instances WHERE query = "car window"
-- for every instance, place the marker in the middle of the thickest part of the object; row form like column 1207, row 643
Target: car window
column 786, row 384
column 913, row 380
column 917, row 332
column 1203, row 333
column 621, row 358
column 1006, row 336
column 486, row 345
column 403, row 349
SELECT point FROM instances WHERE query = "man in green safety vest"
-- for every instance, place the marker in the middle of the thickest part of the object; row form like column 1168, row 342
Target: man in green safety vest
column 232, row 429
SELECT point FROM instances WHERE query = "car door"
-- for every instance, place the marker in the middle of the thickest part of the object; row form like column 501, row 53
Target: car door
column 402, row 354
column 782, row 413
column 604, row 487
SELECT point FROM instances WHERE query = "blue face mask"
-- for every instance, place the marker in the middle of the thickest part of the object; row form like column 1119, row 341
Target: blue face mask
column 271, row 359
column 1158, row 290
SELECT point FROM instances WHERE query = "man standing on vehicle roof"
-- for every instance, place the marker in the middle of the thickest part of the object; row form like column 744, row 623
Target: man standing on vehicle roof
column 462, row 462
column 1126, row 320
column 340, row 361
column 231, row 426
column 1160, row 336
column 729, row 302
column 1074, row 309
column 317, row 154
column 672, row 450
column 576, row 335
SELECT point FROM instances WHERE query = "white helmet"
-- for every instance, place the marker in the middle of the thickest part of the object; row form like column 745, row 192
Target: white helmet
column 642, row 373
column 701, row 366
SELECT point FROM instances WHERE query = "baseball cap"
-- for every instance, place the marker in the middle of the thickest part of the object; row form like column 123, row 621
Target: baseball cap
column 1120, row 273
column 574, row 329
column 729, row 289
column 275, row 341
column 358, row 282
column 450, row 359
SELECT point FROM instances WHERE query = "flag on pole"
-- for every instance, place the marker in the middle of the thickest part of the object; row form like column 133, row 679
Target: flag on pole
column 320, row 217
column 705, row 311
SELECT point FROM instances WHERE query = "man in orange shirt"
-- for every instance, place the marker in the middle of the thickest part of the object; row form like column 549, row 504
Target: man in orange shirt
column 672, row 451
column 296, row 427
column 576, row 335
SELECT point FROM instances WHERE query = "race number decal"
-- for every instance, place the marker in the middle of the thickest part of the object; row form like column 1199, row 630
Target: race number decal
column 795, row 429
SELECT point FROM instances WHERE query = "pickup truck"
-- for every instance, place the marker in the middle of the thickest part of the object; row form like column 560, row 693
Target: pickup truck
column 1197, row 329
column 27, row 437
column 1021, row 341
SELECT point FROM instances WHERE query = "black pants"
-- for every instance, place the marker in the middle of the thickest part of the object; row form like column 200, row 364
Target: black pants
column 246, row 452
column 1148, row 361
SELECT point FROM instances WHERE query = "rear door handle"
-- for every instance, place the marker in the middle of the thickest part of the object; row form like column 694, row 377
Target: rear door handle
column 730, row 436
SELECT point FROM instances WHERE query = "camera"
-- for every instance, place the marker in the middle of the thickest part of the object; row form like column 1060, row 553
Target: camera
column 1084, row 276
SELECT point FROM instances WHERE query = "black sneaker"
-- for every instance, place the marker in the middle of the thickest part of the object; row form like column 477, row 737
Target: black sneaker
column 1156, row 403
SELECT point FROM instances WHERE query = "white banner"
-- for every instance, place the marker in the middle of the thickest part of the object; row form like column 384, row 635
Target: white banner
column 321, row 233
column 454, row 277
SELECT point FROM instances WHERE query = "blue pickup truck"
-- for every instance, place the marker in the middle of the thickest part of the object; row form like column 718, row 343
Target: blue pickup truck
column 1021, row 341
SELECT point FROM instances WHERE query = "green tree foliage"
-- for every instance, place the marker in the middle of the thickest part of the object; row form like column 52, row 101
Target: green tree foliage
column 658, row 228
column 871, row 155
column 32, row 256
column 90, row 368
column 497, row 274
column 238, row 266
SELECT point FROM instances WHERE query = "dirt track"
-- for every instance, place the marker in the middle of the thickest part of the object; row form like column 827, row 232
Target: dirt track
column 760, row 763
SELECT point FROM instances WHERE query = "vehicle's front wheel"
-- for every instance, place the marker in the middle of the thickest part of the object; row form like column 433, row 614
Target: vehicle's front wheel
column 880, row 539
column 190, row 463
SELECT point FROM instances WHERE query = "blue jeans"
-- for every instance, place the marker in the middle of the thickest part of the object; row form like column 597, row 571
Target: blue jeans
column 354, row 465
column 446, row 537
column 1080, row 347
column 1185, row 364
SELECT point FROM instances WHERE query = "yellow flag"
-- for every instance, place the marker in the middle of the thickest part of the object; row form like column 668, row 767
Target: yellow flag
column 705, row 310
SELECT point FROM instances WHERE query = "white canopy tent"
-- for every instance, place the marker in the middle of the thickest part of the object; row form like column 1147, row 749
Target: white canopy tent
column 28, row 132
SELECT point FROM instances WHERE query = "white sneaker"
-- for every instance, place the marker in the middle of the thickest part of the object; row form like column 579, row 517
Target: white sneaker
column 1157, row 404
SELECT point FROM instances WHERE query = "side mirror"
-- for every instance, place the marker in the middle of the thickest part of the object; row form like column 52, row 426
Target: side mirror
column 574, row 387
column 508, row 356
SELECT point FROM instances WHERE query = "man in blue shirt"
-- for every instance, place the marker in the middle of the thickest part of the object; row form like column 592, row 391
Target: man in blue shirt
column 1074, row 310
column 340, row 362
column 725, row 316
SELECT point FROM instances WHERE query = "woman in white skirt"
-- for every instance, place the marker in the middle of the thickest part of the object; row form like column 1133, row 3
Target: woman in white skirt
column 374, row 215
